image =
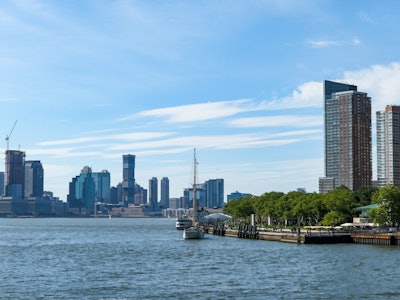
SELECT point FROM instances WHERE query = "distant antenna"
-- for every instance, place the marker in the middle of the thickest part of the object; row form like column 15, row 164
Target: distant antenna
column 8, row 136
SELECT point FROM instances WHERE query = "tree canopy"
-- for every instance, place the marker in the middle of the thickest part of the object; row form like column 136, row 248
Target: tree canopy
column 280, row 209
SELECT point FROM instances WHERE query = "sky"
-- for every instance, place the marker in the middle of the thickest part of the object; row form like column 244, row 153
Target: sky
column 240, row 81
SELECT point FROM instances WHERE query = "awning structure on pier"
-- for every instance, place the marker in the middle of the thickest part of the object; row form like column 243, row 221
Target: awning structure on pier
column 217, row 217
column 358, row 225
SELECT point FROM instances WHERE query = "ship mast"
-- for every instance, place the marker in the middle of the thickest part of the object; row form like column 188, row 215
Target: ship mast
column 194, row 187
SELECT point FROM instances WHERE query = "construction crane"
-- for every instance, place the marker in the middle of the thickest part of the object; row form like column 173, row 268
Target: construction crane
column 8, row 136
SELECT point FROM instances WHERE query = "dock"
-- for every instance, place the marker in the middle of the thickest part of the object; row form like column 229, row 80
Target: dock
column 307, row 236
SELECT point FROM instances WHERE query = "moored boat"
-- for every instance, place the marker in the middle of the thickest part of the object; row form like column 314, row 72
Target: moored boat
column 183, row 222
column 195, row 231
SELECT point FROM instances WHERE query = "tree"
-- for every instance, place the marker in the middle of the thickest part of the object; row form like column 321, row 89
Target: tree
column 240, row 208
column 388, row 212
column 340, row 204
column 363, row 196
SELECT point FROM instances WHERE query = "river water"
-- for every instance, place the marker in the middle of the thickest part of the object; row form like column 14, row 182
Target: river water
column 148, row 259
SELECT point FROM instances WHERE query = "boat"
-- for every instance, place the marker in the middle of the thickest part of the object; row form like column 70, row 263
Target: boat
column 194, row 231
column 183, row 222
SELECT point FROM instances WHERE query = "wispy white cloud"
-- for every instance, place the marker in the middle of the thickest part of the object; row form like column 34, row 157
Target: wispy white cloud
column 365, row 17
column 323, row 43
column 277, row 121
column 201, row 111
column 228, row 141
column 332, row 43
column 133, row 136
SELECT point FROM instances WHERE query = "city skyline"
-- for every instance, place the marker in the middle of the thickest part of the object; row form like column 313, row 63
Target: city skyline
column 91, row 81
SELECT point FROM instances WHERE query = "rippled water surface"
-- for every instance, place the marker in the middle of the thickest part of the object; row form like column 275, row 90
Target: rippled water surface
column 148, row 259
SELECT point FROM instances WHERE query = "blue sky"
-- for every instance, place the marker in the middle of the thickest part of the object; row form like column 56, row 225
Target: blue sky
column 89, row 81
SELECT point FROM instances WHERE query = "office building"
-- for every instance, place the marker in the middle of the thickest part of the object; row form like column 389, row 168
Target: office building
column 388, row 146
column 128, row 179
column 153, row 193
column 140, row 195
column 81, row 196
column 1, row 183
column 347, row 119
column 236, row 195
column 102, row 186
column 33, row 185
column 14, row 173
column 200, row 196
column 214, row 193
column 164, row 201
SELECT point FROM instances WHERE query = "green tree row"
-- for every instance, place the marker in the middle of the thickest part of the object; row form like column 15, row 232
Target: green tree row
column 307, row 209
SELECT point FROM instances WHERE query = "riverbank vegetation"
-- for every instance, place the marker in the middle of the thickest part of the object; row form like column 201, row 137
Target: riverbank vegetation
column 312, row 209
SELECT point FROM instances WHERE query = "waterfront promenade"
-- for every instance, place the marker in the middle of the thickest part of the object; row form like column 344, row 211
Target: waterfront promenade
column 325, row 236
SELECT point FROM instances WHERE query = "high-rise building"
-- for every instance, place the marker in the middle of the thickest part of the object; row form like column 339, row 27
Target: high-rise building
column 140, row 195
column 128, row 179
column 33, row 185
column 102, row 186
column 164, row 192
column 1, row 183
column 236, row 195
column 348, row 159
column 200, row 196
column 214, row 193
column 14, row 173
column 81, row 196
column 153, row 193
column 388, row 146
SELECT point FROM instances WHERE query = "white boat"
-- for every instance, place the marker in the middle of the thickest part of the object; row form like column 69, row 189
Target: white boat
column 183, row 222
column 195, row 231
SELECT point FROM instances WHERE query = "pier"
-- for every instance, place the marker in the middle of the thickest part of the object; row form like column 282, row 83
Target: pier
column 298, row 236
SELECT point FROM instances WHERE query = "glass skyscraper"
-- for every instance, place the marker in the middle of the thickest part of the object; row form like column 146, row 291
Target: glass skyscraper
column 164, row 192
column 153, row 192
column 388, row 146
column 14, row 173
column 128, row 179
column 33, row 185
column 215, row 193
column 102, row 186
column 347, row 119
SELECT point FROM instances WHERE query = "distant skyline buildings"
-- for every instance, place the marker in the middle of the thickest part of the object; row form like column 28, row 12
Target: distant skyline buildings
column 164, row 201
column 102, row 181
column 388, row 146
column 128, row 179
column 81, row 196
column 215, row 192
column 34, row 179
column 153, row 191
column 14, row 173
column 348, row 144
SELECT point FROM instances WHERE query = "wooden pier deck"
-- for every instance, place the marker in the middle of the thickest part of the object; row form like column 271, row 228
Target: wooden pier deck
column 308, row 237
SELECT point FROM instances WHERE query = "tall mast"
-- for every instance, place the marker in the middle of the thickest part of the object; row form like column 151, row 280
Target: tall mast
column 194, row 186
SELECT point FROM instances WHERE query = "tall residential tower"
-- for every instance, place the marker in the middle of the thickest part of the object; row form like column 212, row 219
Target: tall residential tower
column 164, row 201
column 388, row 146
column 14, row 173
column 153, row 191
column 128, row 179
column 347, row 119
column 33, row 185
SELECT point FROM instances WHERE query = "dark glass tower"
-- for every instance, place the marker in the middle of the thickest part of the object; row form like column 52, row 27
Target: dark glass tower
column 14, row 173
column 153, row 193
column 165, row 192
column 33, row 179
column 128, row 179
